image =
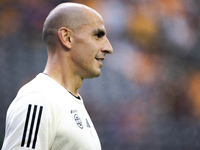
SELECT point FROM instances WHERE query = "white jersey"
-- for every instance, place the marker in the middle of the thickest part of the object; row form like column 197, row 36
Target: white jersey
column 45, row 116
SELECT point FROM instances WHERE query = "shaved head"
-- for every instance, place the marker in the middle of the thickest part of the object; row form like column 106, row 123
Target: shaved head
column 70, row 15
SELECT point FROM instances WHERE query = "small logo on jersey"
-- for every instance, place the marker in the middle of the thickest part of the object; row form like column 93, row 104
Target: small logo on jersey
column 73, row 111
column 88, row 125
column 78, row 121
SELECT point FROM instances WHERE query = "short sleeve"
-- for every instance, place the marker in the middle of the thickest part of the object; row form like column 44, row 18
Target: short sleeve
column 30, row 123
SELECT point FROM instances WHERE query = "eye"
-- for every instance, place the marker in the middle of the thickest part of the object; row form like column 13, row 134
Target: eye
column 99, row 34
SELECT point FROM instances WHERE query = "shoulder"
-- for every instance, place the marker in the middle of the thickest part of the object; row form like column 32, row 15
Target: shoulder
column 35, row 93
column 38, row 90
column 40, row 83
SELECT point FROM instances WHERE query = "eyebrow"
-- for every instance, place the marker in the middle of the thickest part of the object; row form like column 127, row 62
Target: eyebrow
column 100, row 31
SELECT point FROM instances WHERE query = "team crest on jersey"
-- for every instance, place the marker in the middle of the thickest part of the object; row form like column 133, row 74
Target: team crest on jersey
column 78, row 121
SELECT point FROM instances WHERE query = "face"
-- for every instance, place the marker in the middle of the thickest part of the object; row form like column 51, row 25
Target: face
column 89, row 47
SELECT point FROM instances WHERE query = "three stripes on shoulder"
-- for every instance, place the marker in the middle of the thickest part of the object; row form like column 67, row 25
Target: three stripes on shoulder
column 31, row 127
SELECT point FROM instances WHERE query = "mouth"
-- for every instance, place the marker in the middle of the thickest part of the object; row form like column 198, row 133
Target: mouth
column 99, row 59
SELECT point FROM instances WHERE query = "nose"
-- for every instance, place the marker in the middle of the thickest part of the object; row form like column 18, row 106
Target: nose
column 107, row 48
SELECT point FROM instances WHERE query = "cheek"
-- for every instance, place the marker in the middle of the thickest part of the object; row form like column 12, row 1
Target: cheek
column 85, row 49
column 83, row 56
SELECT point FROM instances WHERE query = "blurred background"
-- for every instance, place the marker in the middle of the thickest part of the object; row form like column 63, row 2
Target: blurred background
column 148, row 95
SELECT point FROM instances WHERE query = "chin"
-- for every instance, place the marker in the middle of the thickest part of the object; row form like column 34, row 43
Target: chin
column 94, row 75
column 97, row 75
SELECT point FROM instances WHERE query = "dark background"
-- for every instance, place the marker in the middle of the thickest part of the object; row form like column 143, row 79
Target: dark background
column 148, row 95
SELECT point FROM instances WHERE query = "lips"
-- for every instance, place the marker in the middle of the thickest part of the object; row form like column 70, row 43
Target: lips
column 99, row 59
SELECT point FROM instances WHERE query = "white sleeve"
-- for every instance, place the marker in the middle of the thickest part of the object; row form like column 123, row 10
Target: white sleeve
column 29, row 124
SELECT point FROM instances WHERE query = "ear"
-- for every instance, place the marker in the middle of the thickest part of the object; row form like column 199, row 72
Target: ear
column 64, row 35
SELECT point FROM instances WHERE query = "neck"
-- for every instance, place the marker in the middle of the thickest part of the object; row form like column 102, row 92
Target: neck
column 62, row 73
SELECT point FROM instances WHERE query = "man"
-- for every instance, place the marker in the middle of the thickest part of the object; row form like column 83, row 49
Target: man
column 48, row 112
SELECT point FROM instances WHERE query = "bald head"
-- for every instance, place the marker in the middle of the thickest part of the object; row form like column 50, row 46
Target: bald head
column 70, row 15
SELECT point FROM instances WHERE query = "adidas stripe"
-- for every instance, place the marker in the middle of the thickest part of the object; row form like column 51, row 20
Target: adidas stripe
column 31, row 126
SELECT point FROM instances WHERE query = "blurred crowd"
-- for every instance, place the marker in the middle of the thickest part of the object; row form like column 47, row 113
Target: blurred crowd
column 147, row 97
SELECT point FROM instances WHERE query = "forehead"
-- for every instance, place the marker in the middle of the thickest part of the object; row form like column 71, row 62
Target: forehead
column 95, row 23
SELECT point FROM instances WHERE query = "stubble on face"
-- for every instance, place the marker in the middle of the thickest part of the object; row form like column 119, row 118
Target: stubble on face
column 87, row 47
